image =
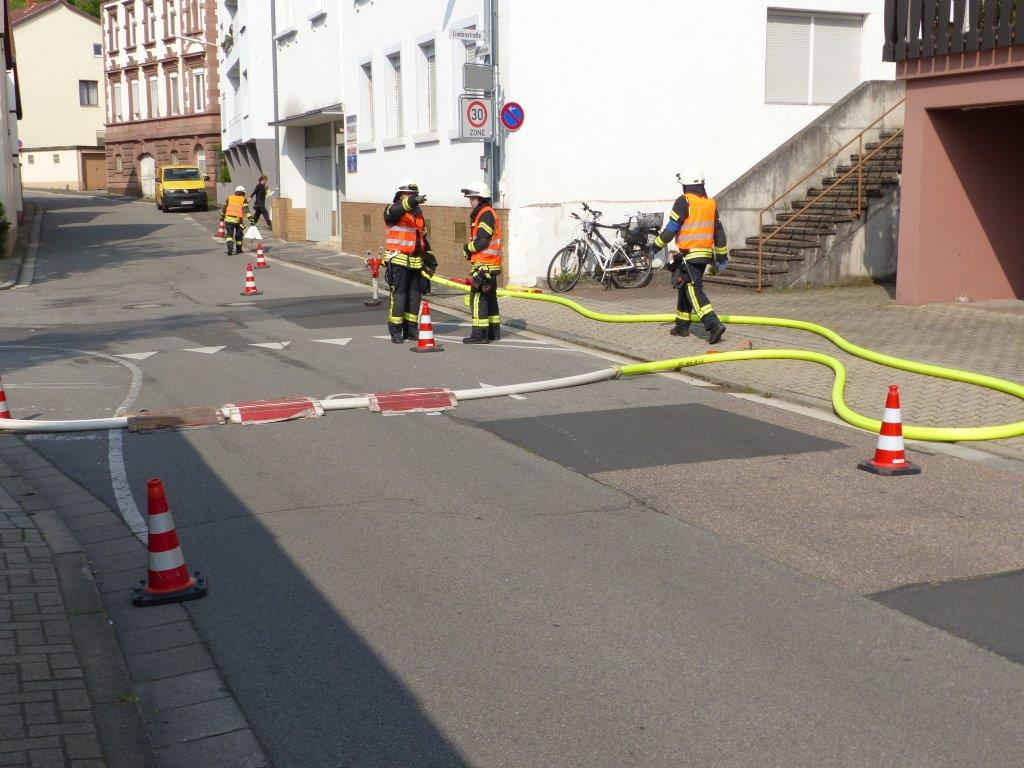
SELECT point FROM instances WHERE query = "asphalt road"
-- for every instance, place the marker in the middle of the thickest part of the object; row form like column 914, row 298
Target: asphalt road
column 638, row 572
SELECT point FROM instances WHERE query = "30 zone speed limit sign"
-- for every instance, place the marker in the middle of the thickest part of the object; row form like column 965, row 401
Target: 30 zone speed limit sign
column 477, row 117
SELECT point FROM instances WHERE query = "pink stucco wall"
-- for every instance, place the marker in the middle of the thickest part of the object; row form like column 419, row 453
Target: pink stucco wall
column 962, row 215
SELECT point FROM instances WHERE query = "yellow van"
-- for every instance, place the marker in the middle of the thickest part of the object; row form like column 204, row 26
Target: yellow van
column 181, row 186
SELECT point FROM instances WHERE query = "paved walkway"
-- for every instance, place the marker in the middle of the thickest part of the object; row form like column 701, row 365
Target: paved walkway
column 984, row 337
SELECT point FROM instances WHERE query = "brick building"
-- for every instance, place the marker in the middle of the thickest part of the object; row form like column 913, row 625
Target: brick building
column 161, row 75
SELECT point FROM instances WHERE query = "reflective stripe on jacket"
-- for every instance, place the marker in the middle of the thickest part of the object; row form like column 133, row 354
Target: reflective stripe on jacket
column 491, row 255
column 698, row 231
column 235, row 207
column 405, row 235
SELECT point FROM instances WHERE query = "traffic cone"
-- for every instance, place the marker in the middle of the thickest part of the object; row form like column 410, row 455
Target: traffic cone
column 250, row 283
column 5, row 412
column 890, row 458
column 261, row 259
column 169, row 580
column 426, row 341
column 221, row 232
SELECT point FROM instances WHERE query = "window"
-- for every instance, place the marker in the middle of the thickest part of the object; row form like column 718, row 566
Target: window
column 171, row 25
column 463, row 52
column 129, row 28
column 190, row 15
column 118, row 163
column 811, row 58
column 97, row 49
column 200, row 155
column 116, row 105
column 154, row 97
column 134, row 103
column 173, row 103
column 174, row 161
column 396, row 126
column 199, row 88
column 366, row 102
column 56, row 159
column 284, row 16
column 427, row 91
column 149, row 22
column 112, row 30
column 31, row 159
column 88, row 93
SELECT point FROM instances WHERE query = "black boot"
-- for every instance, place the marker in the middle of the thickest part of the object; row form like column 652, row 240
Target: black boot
column 716, row 333
column 479, row 336
column 396, row 333
column 494, row 332
column 231, row 248
column 680, row 329
column 410, row 332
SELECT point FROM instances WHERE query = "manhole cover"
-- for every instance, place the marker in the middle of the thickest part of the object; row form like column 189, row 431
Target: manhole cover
column 145, row 306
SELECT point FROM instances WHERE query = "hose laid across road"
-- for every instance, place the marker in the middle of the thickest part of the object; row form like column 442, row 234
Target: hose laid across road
column 842, row 410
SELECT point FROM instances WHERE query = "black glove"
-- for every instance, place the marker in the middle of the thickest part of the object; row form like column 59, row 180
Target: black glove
column 476, row 281
column 466, row 252
column 424, row 284
column 419, row 199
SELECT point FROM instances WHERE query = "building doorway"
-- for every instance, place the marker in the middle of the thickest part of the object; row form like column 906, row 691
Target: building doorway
column 319, row 186
column 147, row 175
column 94, row 171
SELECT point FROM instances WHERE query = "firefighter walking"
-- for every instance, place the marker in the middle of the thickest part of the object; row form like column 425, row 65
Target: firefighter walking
column 484, row 254
column 408, row 259
column 701, row 240
column 235, row 214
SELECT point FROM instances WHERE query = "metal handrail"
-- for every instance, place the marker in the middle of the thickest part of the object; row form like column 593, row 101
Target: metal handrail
column 858, row 168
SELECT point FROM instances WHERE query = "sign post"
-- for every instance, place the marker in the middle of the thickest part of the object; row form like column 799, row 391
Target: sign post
column 477, row 117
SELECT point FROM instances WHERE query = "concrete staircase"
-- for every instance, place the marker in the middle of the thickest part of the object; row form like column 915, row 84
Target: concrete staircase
column 801, row 243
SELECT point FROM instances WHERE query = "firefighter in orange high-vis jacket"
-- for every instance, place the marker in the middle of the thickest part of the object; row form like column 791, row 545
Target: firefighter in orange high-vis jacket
column 236, row 216
column 484, row 253
column 408, row 259
column 701, row 240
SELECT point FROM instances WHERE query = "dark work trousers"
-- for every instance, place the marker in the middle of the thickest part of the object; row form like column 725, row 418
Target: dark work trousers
column 233, row 231
column 484, row 305
column 258, row 211
column 692, row 297
column 403, row 311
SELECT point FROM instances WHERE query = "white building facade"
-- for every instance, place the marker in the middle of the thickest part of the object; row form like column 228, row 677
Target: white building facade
column 616, row 99
column 10, row 113
column 62, row 131
column 246, row 90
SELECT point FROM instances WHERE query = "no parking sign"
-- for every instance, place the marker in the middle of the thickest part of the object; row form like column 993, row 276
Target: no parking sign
column 512, row 116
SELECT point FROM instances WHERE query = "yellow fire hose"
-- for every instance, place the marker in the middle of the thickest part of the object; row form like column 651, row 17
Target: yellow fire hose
column 843, row 411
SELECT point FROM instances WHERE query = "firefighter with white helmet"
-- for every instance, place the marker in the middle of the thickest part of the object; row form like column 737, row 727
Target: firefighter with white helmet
column 235, row 214
column 484, row 254
column 701, row 240
column 409, row 260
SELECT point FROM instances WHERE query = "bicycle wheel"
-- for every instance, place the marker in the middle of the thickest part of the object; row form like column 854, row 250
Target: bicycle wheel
column 638, row 275
column 565, row 269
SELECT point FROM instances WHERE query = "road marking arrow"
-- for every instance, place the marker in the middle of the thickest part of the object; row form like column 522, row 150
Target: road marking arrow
column 137, row 355
column 339, row 342
column 205, row 350
column 272, row 344
column 491, row 386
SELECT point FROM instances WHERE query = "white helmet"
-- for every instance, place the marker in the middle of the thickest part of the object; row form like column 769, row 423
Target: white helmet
column 240, row 188
column 691, row 177
column 477, row 189
column 408, row 185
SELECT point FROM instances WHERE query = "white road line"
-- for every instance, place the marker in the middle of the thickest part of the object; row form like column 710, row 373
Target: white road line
column 204, row 350
column 278, row 345
column 137, row 355
column 491, row 386
column 338, row 342
column 28, row 268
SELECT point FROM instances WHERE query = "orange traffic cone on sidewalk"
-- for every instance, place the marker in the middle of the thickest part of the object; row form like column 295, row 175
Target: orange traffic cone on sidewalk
column 261, row 258
column 426, row 341
column 890, row 458
column 5, row 412
column 221, row 231
column 250, row 283
column 169, row 580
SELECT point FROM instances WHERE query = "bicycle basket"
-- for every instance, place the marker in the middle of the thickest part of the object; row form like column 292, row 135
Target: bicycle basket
column 635, row 236
column 649, row 220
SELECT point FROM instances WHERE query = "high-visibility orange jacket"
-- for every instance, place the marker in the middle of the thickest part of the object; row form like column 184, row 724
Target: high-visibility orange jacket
column 698, row 231
column 485, row 222
column 234, row 210
column 406, row 234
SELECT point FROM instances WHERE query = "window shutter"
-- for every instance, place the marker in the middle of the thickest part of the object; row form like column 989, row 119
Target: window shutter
column 836, row 57
column 787, row 55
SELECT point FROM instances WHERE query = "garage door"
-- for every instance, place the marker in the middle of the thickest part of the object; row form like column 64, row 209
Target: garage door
column 95, row 171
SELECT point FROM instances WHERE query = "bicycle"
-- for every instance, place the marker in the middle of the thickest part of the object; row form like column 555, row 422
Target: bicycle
column 624, row 263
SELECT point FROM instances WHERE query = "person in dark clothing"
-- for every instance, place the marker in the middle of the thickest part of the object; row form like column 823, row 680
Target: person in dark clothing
column 701, row 239
column 483, row 251
column 410, row 261
column 259, row 202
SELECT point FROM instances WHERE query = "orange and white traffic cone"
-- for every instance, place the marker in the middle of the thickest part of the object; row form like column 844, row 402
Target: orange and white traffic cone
column 426, row 342
column 221, row 231
column 5, row 412
column 168, row 580
column 250, row 283
column 261, row 258
column 890, row 458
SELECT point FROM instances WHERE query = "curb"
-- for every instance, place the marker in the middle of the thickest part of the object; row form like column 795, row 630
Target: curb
column 157, row 703
column 22, row 247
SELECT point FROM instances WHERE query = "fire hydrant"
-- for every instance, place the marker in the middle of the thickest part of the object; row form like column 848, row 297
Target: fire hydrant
column 374, row 262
